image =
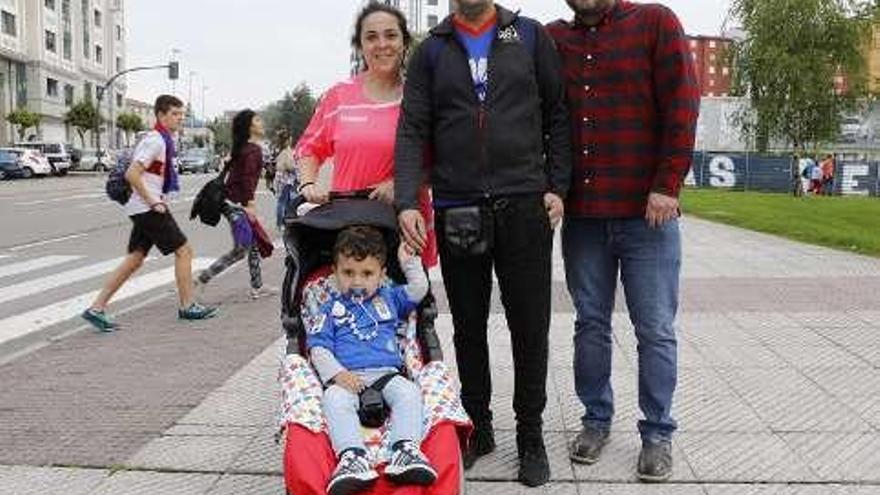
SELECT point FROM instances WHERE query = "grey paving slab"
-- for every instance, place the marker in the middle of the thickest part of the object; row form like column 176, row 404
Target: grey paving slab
column 724, row 414
column 248, row 485
column 201, row 453
column 824, row 356
column 791, row 489
column 756, row 458
column 22, row 480
column 262, row 455
column 641, row 489
column 846, row 381
column 501, row 465
column 189, row 430
column 839, row 458
column 506, row 488
column 807, row 413
column 626, row 413
column 253, row 407
column 730, row 356
column 619, row 458
column 867, row 407
column 151, row 483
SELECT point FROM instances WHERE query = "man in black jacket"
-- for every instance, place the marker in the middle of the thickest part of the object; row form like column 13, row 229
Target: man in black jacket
column 484, row 97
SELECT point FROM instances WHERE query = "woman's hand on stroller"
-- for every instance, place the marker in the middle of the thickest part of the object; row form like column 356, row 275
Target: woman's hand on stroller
column 384, row 191
column 315, row 193
column 349, row 381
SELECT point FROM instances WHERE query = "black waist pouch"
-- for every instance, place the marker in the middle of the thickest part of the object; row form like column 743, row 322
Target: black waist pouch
column 468, row 230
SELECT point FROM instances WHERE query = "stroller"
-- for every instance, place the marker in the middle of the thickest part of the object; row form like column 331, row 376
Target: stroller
column 309, row 460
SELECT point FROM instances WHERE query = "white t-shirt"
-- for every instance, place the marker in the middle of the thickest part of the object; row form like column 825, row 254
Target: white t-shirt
column 150, row 152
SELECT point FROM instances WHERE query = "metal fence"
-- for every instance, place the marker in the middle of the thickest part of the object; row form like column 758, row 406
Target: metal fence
column 750, row 172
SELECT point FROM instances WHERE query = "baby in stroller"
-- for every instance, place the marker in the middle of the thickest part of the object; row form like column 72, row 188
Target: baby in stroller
column 353, row 347
column 310, row 451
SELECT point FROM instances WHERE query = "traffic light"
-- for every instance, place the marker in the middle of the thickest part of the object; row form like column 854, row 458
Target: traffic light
column 174, row 70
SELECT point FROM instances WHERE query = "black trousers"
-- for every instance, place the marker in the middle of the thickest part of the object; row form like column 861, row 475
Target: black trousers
column 521, row 255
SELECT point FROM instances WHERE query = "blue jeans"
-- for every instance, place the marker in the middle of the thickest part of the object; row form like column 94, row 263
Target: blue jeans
column 649, row 262
column 404, row 399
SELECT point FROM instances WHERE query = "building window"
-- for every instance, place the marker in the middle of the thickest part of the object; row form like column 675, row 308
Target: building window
column 50, row 4
column 9, row 24
column 712, row 57
column 68, row 94
column 87, row 91
column 693, row 43
column 432, row 2
column 712, row 44
column 432, row 21
column 99, row 54
column 725, row 71
column 52, row 88
column 712, row 83
column 712, row 69
column 67, row 46
column 98, row 18
column 118, row 64
column 67, row 36
column 50, row 41
column 118, row 33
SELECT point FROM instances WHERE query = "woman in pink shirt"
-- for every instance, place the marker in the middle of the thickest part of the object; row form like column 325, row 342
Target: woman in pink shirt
column 356, row 120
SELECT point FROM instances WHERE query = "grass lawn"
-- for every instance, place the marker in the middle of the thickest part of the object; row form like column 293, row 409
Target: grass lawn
column 848, row 223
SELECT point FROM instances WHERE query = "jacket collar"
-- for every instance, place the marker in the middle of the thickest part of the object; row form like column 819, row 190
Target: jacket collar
column 504, row 18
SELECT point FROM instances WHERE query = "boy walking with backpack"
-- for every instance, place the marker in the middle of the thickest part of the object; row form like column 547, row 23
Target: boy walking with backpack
column 152, row 178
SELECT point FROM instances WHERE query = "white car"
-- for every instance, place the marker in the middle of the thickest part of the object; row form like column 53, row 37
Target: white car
column 91, row 160
column 32, row 162
column 58, row 154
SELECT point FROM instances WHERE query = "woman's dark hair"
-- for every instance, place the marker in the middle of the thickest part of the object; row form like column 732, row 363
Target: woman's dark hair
column 372, row 8
column 241, row 131
column 361, row 242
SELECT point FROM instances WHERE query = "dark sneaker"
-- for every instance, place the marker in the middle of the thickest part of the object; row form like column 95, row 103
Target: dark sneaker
column 353, row 474
column 482, row 442
column 586, row 448
column 655, row 462
column 196, row 311
column 534, row 468
column 99, row 320
column 409, row 466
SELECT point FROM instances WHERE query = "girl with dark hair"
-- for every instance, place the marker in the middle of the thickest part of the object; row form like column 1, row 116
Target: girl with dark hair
column 243, row 174
column 355, row 123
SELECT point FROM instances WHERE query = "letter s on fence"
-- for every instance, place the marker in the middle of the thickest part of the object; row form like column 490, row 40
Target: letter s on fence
column 722, row 171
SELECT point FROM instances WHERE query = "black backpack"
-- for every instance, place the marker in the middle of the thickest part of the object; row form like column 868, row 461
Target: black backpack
column 117, row 187
column 208, row 204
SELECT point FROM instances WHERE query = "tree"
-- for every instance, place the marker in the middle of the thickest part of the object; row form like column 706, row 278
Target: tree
column 129, row 123
column 292, row 113
column 788, row 64
column 222, row 130
column 84, row 117
column 24, row 119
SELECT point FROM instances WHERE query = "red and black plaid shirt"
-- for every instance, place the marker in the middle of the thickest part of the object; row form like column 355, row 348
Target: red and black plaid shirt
column 634, row 102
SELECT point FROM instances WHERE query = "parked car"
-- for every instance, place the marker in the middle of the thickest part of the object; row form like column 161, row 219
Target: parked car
column 91, row 160
column 197, row 160
column 10, row 166
column 32, row 162
column 58, row 154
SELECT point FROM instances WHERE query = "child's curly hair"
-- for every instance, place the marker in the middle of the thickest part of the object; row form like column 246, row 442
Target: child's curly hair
column 360, row 242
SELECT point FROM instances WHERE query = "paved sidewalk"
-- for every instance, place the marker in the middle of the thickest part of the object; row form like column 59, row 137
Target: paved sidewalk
column 779, row 393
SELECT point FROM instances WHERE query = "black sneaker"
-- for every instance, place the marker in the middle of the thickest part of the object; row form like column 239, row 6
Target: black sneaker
column 409, row 466
column 482, row 442
column 655, row 462
column 353, row 474
column 586, row 448
column 534, row 468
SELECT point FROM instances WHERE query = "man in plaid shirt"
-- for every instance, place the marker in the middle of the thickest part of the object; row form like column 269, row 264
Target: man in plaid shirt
column 634, row 101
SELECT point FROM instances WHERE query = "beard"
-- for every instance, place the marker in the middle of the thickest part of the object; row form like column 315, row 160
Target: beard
column 587, row 8
column 471, row 9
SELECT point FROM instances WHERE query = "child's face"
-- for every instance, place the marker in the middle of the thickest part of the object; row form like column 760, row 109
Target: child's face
column 359, row 275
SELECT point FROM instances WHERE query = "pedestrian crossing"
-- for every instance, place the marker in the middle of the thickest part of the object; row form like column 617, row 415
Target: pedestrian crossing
column 27, row 280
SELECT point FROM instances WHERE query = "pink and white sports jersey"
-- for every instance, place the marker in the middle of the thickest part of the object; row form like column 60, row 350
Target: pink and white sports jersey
column 358, row 133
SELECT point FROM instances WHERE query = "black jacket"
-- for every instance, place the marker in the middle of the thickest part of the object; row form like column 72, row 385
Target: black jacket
column 518, row 141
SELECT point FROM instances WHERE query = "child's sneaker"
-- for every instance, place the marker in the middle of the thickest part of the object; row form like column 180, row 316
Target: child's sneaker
column 99, row 320
column 353, row 474
column 196, row 311
column 408, row 466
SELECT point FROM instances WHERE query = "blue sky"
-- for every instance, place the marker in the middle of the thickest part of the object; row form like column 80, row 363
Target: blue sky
column 248, row 52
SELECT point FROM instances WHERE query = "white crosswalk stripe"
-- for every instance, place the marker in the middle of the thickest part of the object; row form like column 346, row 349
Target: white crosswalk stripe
column 34, row 320
column 32, row 287
column 35, row 264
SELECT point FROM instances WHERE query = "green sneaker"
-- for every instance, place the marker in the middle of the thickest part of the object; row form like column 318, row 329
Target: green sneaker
column 99, row 320
column 196, row 311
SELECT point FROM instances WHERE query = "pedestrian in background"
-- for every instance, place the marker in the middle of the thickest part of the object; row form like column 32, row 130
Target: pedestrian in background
column 828, row 167
column 634, row 97
column 240, row 208
column 286, row 178
column 153, row 181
